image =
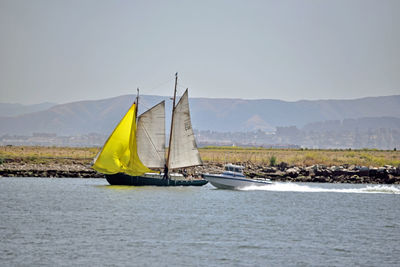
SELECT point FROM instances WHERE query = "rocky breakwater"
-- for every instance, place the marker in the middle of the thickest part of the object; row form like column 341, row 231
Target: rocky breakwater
column 282, row 172
column 51, row 170
column 327, row 174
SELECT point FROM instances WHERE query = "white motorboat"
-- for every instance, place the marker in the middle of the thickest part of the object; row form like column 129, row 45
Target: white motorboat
column 233, row 178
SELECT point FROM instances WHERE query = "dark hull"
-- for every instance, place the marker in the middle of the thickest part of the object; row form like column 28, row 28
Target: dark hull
column 124, row 179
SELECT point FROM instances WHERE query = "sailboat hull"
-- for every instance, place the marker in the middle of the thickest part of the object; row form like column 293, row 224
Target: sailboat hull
column 124, row 179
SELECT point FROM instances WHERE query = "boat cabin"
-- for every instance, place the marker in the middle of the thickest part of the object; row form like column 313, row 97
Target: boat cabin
column 234, row 170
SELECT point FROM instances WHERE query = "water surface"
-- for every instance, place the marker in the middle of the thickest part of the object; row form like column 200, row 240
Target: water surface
column 50, row 222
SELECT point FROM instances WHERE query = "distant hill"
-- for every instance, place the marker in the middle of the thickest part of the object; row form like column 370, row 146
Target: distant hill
column 223, row 115
column 239, row 115
column 7, row 109
column 380, row 133
column 361, row 124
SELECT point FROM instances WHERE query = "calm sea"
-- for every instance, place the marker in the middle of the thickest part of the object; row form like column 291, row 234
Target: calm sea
column 69, row 222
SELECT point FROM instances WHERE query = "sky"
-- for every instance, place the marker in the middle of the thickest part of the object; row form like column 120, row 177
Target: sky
column 64, row 51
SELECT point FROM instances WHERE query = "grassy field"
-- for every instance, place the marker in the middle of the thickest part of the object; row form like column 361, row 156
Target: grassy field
column 298, row 157
column 301, row 157
column 40, row 154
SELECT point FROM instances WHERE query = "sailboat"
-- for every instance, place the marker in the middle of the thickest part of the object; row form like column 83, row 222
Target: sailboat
column 137, row 146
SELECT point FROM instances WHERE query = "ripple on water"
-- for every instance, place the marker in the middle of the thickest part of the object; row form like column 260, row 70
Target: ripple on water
column 87, row 222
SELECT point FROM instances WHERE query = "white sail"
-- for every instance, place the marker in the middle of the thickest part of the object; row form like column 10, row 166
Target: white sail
column 183, row 146
column 150, row 136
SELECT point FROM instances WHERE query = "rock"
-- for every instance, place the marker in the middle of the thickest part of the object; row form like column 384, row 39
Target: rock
column 382, row 173
column 324, row 172
column 337, row 170
column 282, row 166
column 390, row 179
column 338, row 179
column 310, row 170
column 320, row 179
column 391, row 170
column 292, row 172
column 276, row 174
column 381, row 169
column 305, row 179
column 364, row 171
column 269, row 169
column 373, row 172
column 353, row 168
column 304, row 172
column 354, row 178
column 253, row 174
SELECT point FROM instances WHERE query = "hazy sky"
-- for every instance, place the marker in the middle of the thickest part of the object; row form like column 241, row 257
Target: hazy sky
column 63, row 51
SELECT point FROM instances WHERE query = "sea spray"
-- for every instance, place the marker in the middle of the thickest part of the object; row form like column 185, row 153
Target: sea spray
column 292, row 187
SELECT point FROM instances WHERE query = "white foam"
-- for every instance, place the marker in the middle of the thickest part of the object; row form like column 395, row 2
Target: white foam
column 292, row 187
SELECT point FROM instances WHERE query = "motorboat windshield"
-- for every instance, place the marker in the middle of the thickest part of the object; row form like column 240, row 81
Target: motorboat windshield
column 234, row 170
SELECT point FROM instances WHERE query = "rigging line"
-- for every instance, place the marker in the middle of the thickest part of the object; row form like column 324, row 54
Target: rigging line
column 183, row 86
column 146, row 106
column 182, row 89
column 160, row 84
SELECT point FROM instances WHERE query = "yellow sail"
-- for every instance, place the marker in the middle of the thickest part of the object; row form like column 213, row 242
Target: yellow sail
column 119, row 154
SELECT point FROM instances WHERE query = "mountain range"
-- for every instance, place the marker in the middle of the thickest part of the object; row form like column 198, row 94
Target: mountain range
column 14, row 109
column 214, row 114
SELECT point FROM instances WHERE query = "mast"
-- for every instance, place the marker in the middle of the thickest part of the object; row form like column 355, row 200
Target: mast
column 134, row 121
column 172, row 120
column 137, row 102
column 184, row 152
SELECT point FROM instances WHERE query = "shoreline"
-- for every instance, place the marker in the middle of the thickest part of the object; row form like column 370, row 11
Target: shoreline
column 283, row 173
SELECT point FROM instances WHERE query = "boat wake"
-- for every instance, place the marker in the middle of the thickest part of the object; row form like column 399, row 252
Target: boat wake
column 291, row 187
